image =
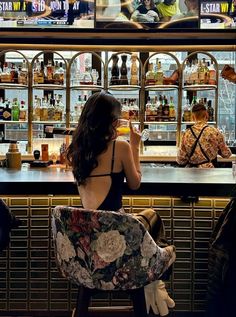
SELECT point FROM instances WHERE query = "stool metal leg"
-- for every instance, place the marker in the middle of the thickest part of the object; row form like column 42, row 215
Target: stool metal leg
column 83, row 300
column 139, row 303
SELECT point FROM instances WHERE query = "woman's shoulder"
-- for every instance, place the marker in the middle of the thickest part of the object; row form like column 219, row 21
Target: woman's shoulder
column 122, row 144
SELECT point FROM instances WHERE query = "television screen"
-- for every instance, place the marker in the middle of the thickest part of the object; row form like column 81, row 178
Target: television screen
column 147, row 14
column 218, row 14
column 47, row 14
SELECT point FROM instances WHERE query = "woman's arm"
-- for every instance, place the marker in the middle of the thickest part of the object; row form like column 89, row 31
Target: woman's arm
column 131, row 165
column 130, row 159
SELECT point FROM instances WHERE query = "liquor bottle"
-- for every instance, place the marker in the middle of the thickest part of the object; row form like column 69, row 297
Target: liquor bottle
column 59, row 74
column 166, row 110
column 43, row 111
column 50, row 104
column 49, row 72
column 187, row 72
column 135, row 110
column 36, row 71
column 172, row 112
column 153, row 115
column 7, row 111
column 6, row 75
column 123, row 71
column 201, row 73
column 210, row 111
column 194, row 100
column 159, row 75
column 160, row 109
column 58, row 111
column 148, row 109
column 15, row 110
column 23, row 111
column 125, row 109
column 150, row 75
column 115, row 70
column 187, row 111
column 36, row 111
column 23, row 74
column 212, row 74
column 194, row 72
column 40, row 74
column 206, row 71
column 1, row 108
column 87, row 78
column 14, row 73
column 134, row 70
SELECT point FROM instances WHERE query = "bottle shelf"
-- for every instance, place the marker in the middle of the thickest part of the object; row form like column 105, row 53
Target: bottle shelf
column 161, row 87
column 199, row 87
column 87, row 87
column 49, row 87
column 13, row 86
column 124, row 87
column 13, row 122
column 160, row 122
column 192, row 122
column 49, row 122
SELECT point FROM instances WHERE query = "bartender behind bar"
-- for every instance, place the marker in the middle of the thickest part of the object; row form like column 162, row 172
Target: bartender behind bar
column 201, row 143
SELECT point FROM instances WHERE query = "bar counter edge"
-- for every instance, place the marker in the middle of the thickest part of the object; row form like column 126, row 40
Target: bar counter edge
column 155, row 181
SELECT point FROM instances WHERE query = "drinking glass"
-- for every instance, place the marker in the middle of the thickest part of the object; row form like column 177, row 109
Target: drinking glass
column 123, row 129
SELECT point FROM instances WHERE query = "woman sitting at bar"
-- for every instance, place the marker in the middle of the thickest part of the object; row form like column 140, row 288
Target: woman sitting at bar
column 99, row 161
column 201, row 143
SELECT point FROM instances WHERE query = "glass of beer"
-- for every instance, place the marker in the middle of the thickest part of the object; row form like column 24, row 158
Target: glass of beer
column 123, row 129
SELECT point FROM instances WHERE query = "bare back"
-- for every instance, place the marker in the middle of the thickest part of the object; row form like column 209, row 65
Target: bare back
column 96, row 189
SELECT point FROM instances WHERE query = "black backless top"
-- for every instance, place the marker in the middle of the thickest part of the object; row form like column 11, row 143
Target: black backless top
column 113, row 200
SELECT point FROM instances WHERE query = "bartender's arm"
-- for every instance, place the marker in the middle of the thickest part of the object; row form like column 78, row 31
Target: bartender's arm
column 224, row 150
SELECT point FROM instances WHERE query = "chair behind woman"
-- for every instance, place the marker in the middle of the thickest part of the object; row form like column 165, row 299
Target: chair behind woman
column 107, row 251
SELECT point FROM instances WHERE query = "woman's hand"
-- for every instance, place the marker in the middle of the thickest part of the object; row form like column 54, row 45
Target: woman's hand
column 135, row 136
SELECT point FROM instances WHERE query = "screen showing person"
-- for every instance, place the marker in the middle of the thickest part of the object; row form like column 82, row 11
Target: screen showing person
column 146, row 13
column 218, row 14
column 47, row 14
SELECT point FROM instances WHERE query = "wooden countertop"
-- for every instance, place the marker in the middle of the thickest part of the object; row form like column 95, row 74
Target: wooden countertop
column 155, row 181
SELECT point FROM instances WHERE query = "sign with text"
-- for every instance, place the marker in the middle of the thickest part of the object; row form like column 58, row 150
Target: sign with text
column 218, row 14
column 74, row 13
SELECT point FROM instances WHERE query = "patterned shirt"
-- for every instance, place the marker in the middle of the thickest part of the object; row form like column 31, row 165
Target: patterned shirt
column 212, row 142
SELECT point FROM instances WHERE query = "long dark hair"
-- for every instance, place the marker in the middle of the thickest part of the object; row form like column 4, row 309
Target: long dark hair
column 95, row 129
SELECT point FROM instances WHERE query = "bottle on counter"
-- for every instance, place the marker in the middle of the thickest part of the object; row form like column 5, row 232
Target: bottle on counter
column 13, row 156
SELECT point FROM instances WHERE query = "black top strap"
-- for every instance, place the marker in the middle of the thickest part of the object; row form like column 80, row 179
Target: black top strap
column 197, row 142
column 113, row 156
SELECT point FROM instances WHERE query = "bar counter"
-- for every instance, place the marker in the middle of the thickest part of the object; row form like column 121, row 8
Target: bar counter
column 155, row 181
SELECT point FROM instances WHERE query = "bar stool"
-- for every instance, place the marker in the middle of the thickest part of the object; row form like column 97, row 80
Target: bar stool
column 104, row 251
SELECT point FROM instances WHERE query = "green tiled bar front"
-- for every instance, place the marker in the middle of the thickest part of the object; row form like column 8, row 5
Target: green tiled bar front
column 30, row 281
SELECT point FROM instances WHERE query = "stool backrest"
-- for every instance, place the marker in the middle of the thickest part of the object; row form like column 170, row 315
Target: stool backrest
column 106, row 250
